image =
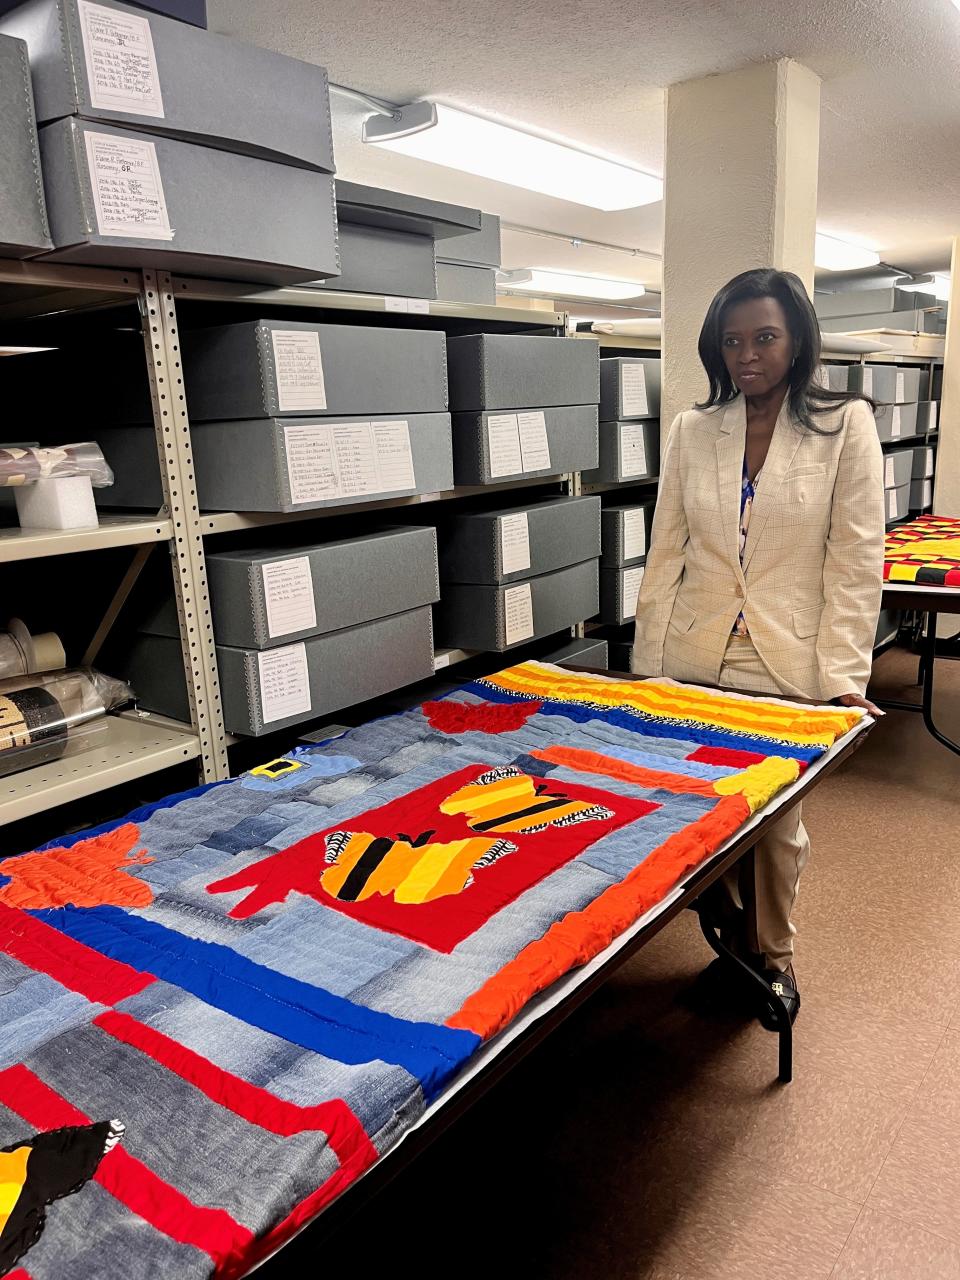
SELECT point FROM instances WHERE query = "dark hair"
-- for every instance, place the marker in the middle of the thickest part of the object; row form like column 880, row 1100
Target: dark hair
column 805, row 394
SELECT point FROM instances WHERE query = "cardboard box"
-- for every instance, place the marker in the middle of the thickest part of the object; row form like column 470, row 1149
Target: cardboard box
column 519, row 371
column 885, row 383
column 115, row 63
column 475, row 248
column 269, row 597
column 896, row 421
column 518, row 542
column 860, row 302
column 921, row 495
column 629, row 388
column 501, row 617
column 580, row 653
column 377, row 260
column 898, row 468
column 626, row 533
column 924, row 462
column 928, row 414
column 493, row 447
column 289, row 464
column 305, row 680
column 262, row 368
column 619, row 589
column 897, row 502
column 24, row 231
column 132, row 200
column 475, row 285
column 629, row 451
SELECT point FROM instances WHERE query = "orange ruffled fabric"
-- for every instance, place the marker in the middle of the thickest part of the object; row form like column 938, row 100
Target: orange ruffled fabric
column 581, row 935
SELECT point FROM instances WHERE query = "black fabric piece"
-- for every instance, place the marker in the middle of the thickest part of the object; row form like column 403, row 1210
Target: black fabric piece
column 489, row 823
column 370, row 859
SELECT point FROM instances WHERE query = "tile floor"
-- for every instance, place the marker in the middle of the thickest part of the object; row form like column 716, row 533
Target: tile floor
column 643, row 1142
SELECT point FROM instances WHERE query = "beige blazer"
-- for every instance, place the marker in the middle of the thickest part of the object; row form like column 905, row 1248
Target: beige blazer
column 812, row 574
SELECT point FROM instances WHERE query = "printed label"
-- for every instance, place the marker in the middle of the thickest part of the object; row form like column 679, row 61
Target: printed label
column 333, row 460
column 632, row 579
column 311, row 468
column 891, row 504
column 534, row 445
column 288, row 596
column 889, row 477
column 867, row 381
column 503, row 445
column 299, row 366
column 895, row 423
column 121, row 64
column 391, row 442
column 518, row 607
column 901, row 392
column 634, row 533
column 514, row 542
column 408, row 306
column 127, row 188
column 633, row 390
column 633, row 453
column 284, row 682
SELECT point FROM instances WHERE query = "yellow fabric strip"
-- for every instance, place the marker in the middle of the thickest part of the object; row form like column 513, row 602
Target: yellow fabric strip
column 13, row 1175
column 759, row 783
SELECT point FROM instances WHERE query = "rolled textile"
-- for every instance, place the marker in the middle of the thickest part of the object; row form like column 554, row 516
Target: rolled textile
column 43, row 717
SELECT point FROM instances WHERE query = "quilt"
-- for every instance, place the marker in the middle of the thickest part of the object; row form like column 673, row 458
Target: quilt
column 925, row 551
column 219, row 1012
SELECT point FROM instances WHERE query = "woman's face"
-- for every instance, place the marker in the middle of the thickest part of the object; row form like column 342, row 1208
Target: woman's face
column 757, row 346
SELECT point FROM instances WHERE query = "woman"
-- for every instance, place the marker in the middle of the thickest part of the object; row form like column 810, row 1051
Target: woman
column 766, row 564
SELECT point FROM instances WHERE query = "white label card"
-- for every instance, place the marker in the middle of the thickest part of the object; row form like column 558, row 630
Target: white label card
column 121, row 64
column 127, row 188
column 333, row 460
column 633, row 389
column 288, row 596
column 299, row 366
column 895, row 425
column 889, row 475
column 901, row 392
column 518, row 607
column 284, row 682
column 408, row 306
column 514, row 542
column 891, row 504
column 867, row 381
column 634, row 533
column 503, row 445
column 633, row 453
column 534, row 445
column 632, row 579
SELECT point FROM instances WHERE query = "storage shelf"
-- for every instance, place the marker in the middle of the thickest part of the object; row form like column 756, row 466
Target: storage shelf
column 443, row 658
column 187, row 287
column 113, row 531
column 32, row 289
column 614, row 486
column 132, row 746
column 233, row 521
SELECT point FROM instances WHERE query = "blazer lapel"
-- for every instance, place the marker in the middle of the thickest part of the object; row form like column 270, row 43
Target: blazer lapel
column 731, row 443
column 783, row 449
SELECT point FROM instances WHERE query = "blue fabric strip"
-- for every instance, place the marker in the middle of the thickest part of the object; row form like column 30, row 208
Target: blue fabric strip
column 262, row 997
column 649, row 728
column 139, row 816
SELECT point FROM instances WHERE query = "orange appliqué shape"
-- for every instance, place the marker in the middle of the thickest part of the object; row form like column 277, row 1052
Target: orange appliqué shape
column 91, row 873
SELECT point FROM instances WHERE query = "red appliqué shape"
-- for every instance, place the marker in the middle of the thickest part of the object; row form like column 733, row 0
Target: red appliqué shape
column 443, row 922
column 483, row 717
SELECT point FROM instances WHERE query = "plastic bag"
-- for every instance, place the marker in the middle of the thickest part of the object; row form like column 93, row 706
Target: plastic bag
column 21, row 465
column 43, row 717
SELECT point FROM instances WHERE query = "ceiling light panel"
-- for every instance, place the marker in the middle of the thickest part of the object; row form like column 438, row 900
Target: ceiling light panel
column 458, row 140
column 831, row 254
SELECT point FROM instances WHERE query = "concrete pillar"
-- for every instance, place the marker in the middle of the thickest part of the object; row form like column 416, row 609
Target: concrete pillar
column 740, row 191
column 946, row 497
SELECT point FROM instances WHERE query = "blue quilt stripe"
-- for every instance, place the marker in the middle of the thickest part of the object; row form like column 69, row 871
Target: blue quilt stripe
column 285, row 1007
column 581, row 714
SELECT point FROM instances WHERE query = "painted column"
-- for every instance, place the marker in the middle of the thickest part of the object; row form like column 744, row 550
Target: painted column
column 946, row 497
column 740, row 191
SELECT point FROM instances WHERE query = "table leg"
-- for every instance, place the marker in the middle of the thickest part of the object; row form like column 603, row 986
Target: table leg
column 780, row 1015
column 929, row 663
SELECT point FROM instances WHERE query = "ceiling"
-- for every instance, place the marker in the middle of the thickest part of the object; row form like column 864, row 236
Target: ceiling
column 595, row 74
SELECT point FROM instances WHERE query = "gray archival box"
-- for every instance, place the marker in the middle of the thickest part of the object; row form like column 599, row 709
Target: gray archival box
column 519, row 371
column 571, row 438
column 558, row 532
column 23, row 214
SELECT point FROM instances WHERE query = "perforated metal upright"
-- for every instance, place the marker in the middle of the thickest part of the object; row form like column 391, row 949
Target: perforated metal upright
column 172, row 426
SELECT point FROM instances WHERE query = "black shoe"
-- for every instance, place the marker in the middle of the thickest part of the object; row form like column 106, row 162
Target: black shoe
column 720, row 990
column 783, row 987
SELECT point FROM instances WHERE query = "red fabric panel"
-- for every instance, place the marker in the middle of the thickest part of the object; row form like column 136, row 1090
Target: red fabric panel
column 72, row 964
column 726, row 757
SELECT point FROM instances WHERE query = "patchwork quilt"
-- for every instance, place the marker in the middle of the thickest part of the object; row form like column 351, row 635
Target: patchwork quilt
column 925, row 551
column 216, row 1014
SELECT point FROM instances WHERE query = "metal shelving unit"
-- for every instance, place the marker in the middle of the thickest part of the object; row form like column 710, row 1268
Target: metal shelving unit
column 38, row 300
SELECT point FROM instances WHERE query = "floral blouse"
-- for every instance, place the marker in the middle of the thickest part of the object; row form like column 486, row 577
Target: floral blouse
column 748, row 489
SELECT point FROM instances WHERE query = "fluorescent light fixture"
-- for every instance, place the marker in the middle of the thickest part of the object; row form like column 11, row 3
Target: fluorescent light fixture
column 563, row 284
column 447, row 136
column 831, row 254
column 936, row 282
